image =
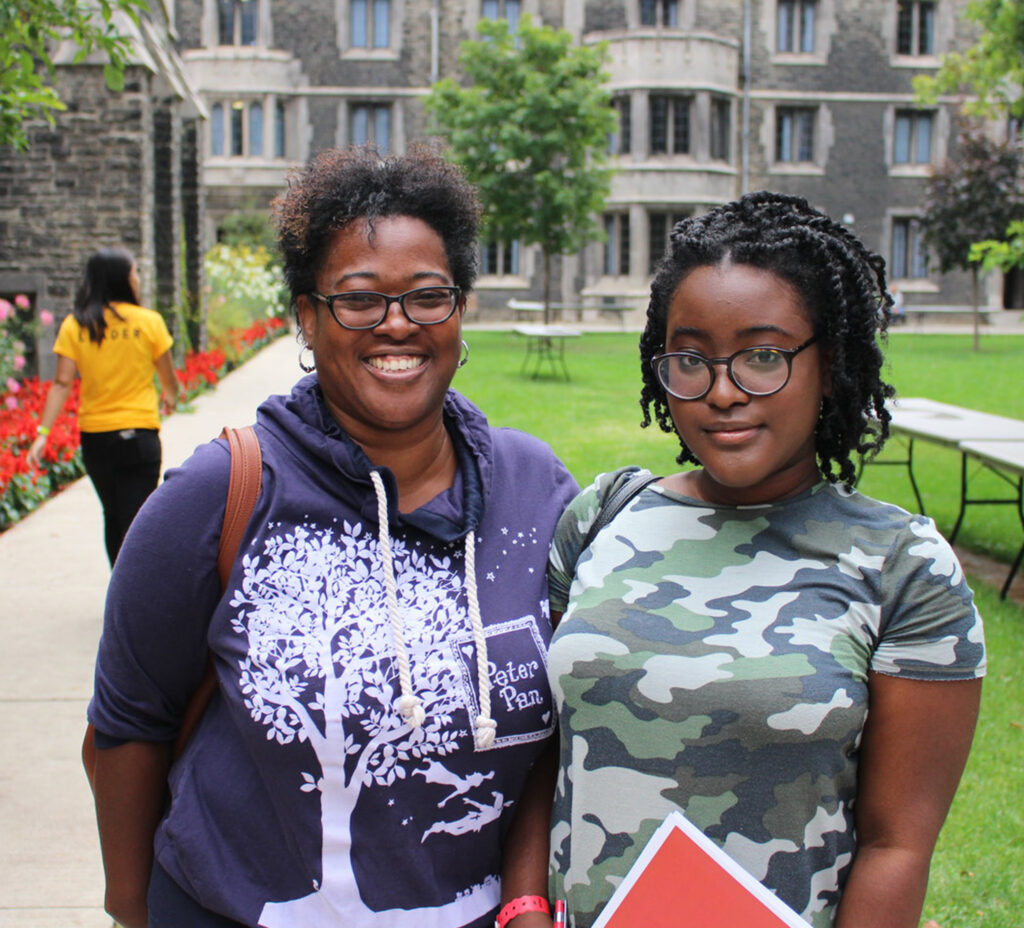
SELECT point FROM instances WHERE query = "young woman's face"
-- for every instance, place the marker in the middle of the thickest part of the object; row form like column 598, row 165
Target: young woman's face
column 753, row 449
column 395, row 376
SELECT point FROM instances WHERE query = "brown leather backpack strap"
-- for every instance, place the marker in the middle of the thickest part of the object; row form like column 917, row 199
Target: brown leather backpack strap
column 243, row 490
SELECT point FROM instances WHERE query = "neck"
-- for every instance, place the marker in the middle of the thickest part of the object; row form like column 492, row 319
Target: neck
column 423, row 464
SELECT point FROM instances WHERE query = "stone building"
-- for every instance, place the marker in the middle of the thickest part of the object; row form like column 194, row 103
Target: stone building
column 115, row 169
column 714, row 97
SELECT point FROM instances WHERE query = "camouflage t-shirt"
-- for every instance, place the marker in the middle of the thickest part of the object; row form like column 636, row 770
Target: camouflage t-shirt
column 715, row 659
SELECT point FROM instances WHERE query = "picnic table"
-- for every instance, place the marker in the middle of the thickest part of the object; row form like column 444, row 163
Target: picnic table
column 1006, row 460
column 533, row 308
column 997, row 442
column 545, row 344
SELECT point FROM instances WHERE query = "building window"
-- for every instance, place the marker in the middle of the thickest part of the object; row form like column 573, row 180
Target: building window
column 280, row 130
column 256, row 130
column 217, row 129
column 236, row 129
column 620, row 142
column 794, row 22
column 794, row 134
column 670, row 124
column 237, row 140
column 509, row 10
column 721, row 129
column 912, row 138
column 238, row 22
column 660, row 225
column 659, row 12
column 915, row 27
column 370, row 23
column 616, row 246
column 370, row 124
column 499, row 258
column 909, row 256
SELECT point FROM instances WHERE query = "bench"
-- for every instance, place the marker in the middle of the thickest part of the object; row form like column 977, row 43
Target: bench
column 919, row 312
column 526, row 308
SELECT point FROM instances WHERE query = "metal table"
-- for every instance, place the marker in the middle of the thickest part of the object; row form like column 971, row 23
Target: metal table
column 1006, row 460
column 545, row 344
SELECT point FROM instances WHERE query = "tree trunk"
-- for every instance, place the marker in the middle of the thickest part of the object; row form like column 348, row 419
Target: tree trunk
column 976, row 316
column 547, row 287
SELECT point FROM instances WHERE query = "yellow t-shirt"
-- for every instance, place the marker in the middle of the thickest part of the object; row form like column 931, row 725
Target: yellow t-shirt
column 117, row 375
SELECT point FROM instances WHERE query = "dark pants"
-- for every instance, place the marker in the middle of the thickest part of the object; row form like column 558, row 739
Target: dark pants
column 171, row 907
column 124, row 468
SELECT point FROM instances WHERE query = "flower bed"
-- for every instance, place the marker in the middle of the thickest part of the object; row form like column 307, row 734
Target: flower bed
column 23, row 488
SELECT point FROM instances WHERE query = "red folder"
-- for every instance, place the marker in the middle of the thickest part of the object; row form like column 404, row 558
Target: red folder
column 682, row 879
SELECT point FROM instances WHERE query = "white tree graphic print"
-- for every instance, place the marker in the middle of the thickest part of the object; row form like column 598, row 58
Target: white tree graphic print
column 320, row 669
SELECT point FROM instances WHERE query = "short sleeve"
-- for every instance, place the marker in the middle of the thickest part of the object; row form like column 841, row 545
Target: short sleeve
column 931, row 629
column 571, row 532
column 66, row 344
column 163, row 590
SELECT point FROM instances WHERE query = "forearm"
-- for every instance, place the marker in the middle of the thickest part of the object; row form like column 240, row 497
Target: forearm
column 56, row 398
column 886, row 889
column 130, row 789
column 168, row 381
column 525, row 859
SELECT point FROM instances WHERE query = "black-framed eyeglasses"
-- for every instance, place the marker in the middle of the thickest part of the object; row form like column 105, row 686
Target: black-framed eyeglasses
column 367, row 309
column 759, row 371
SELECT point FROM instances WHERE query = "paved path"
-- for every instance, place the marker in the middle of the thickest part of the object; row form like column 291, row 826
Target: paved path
column 53, row 575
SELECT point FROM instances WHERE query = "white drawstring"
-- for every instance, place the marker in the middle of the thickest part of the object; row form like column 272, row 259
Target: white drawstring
column 409, row 704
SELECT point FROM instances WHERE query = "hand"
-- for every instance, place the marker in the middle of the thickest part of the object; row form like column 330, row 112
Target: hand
column 168, row 403
column 35, row 451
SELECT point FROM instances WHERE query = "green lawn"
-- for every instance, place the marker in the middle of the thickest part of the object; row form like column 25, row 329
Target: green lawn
column 593, row 424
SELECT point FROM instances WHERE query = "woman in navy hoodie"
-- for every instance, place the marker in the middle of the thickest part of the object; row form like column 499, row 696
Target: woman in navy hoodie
column 380, row 648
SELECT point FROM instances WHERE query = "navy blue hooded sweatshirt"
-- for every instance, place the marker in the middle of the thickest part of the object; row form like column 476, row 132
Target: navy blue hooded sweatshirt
column 305, row 798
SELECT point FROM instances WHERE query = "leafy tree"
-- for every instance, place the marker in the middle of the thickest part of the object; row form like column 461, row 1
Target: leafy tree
column 991, row 70
column 972, row 197
column 531, row 131
column 28, row 31
column 1004, row 255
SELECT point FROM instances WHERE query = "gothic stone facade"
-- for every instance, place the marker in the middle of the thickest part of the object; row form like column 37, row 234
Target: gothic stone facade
column 714, row 97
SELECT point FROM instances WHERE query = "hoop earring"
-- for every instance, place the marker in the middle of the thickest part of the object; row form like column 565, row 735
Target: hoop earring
column 308, row 368
column 465, row 356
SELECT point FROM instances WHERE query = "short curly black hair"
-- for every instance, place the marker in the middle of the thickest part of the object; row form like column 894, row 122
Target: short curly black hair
column 841, row 283
column 341, row 186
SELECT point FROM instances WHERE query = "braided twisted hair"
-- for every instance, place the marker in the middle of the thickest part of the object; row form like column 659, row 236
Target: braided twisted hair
column 842, row 285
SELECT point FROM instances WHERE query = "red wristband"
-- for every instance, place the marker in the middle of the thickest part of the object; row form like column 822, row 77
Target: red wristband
column 518, row 906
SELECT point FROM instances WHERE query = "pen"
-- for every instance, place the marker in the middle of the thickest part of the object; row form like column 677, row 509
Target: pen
column 559, row 912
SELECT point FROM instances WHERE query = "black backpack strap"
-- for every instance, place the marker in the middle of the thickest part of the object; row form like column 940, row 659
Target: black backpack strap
column 615, row 502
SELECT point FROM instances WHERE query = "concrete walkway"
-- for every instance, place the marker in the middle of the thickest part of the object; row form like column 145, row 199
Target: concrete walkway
column 53, row 574
column 53, row 577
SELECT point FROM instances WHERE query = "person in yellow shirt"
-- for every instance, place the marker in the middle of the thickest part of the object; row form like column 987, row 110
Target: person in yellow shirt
column 115, row 346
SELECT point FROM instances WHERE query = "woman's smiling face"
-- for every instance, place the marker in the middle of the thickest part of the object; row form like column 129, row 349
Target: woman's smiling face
column 753, row 449
column 395, row 376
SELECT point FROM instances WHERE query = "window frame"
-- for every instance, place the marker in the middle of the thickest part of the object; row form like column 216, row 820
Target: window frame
column 620, row 141
column 915, row 31
column 915, row 120
column 678, row 123
column 666, row 14
column 667, row 218
column 720, row 128
column 799, row 27
column 507, row 261
column 232, row 124
column 238, row 22
column 793, row 112
column 615, row 257
column 374, row 109
column 912, row 264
